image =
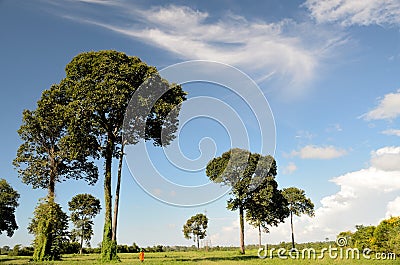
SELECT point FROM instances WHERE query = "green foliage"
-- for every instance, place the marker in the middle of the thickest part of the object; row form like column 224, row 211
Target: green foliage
column 49, row 225
column 83, row 207
column 100, row 86
column 196, row 227
column 8, row 202
column 363, row 237
column 386, row 236
column 298, row 202
column 267, row 206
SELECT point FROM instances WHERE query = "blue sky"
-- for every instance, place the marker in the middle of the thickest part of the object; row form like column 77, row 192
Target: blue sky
column 329, row 70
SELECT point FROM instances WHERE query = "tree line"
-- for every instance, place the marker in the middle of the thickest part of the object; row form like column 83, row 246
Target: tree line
column 383, row 238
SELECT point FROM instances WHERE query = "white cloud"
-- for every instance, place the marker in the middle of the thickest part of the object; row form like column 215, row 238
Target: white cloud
column 353, row 12
column 387, row 158
column 290, row 168
column 292, row 52
column 318, row 152
column 392, row 132
column 388, row 108
column 393, row 208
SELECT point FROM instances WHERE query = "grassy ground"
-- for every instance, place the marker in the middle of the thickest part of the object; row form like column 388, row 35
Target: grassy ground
column 194, row 257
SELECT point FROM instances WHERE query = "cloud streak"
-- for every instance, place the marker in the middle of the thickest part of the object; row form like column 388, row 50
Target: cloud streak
column 292, row 52
column 350, row 12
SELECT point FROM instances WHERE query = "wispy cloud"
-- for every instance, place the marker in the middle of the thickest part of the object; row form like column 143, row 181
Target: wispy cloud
column 351, row 12
column 392, row 132
column 288, row 51
column 319, row 152
column 387, row 109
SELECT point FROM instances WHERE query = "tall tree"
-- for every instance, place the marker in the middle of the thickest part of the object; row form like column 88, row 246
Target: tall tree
column 246, row 173
column 267, row 207
column 49, row 225
column 84, row 207
column 47, row 156
column 100, row 85
column 196, row 227
column 8, row 203
column 298, row 204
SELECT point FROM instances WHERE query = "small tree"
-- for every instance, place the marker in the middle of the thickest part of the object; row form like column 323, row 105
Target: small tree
column 298, row 204
column 8, row 202
column 49, row 225
column 84, row 208
column 196, row 227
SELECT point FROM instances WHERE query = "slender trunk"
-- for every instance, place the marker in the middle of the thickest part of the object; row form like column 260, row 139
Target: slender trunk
column 259, row 235
column 83, row 232
column 291, row 225
column 241, row 219
column 108, row 247
column 52, row 177
column 116, row 200
column 198, row 243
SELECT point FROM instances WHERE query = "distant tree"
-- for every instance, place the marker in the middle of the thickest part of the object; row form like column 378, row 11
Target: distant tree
column 49, row 225
column 8, row 203
column 101, row 84
column 196, row 227
column 298, row 204
column 84, row 208
column 246, row 173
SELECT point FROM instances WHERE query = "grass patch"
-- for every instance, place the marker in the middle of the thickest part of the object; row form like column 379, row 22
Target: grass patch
column 193, row 257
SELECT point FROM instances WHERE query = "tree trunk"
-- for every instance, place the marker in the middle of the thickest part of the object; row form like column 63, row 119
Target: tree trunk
column 241, row 220
column 116, row 200
column 53, row 173
column 108, row 247
column 198, row 243
column 291, row 226
column 83, row 232
column 259, row 235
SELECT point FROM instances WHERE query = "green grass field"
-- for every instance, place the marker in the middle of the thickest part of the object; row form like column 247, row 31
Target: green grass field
column 195, row 257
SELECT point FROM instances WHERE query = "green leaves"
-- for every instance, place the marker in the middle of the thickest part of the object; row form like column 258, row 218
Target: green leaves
column 8, row 202
column 47, row 155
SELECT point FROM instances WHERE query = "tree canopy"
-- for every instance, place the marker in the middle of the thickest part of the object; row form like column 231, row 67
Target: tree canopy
column 8, row 203
column 44, row 157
